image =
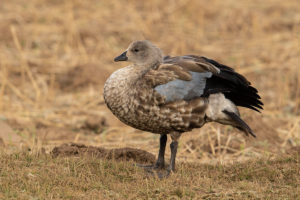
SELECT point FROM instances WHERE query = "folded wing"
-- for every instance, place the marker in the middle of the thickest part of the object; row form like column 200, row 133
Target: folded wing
column 189, row 77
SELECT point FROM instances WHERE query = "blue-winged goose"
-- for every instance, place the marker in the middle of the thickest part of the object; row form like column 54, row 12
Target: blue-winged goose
column 172, row 95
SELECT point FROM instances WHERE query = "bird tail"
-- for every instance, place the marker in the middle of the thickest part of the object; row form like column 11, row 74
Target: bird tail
column 240, row 124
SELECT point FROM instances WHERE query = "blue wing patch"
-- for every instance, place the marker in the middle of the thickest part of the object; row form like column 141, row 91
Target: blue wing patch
column 184, row 90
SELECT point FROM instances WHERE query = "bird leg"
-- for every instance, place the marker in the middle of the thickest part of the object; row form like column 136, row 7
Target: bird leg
column 173, row 146
column 160, row 163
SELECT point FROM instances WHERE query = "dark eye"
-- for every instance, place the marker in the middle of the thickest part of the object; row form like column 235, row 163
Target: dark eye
column 136, row 50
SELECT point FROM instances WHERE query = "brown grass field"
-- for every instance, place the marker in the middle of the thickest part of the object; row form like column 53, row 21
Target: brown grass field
column 56, row 55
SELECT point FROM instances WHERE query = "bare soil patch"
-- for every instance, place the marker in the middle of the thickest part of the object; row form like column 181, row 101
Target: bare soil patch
column 120, row 154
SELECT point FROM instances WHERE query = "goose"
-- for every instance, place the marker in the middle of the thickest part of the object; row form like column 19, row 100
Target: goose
column 172, row 95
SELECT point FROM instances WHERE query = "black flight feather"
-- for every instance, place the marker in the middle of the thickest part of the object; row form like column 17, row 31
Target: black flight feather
column 234, row 86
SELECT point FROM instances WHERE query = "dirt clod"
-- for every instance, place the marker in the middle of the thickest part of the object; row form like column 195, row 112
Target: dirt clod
column 95, row 123
column 121, row 154
column 294, row 150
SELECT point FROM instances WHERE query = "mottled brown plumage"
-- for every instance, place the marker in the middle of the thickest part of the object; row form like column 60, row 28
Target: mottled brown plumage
column 173, row 95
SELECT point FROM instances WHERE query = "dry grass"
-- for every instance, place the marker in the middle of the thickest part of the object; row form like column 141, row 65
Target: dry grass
column 56, row 55
column 33, row 176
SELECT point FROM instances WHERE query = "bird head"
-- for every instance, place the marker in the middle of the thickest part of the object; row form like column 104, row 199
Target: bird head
column 141, row 52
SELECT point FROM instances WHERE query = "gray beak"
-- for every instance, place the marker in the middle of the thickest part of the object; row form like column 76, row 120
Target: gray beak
column 121, row 57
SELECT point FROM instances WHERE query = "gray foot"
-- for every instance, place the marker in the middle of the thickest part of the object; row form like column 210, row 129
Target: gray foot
column 154, row 166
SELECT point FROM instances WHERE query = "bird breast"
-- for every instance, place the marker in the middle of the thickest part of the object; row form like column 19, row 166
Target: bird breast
column 118, row 91
column 131, row 100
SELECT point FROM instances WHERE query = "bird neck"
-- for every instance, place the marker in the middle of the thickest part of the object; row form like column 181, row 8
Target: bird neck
column 146, row 66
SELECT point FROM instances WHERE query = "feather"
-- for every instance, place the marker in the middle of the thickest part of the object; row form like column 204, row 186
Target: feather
column 184, row 90
column 240, row 123
column 224, row 79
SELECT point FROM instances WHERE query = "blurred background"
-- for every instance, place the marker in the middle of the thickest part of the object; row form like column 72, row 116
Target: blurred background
column 56, row 55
